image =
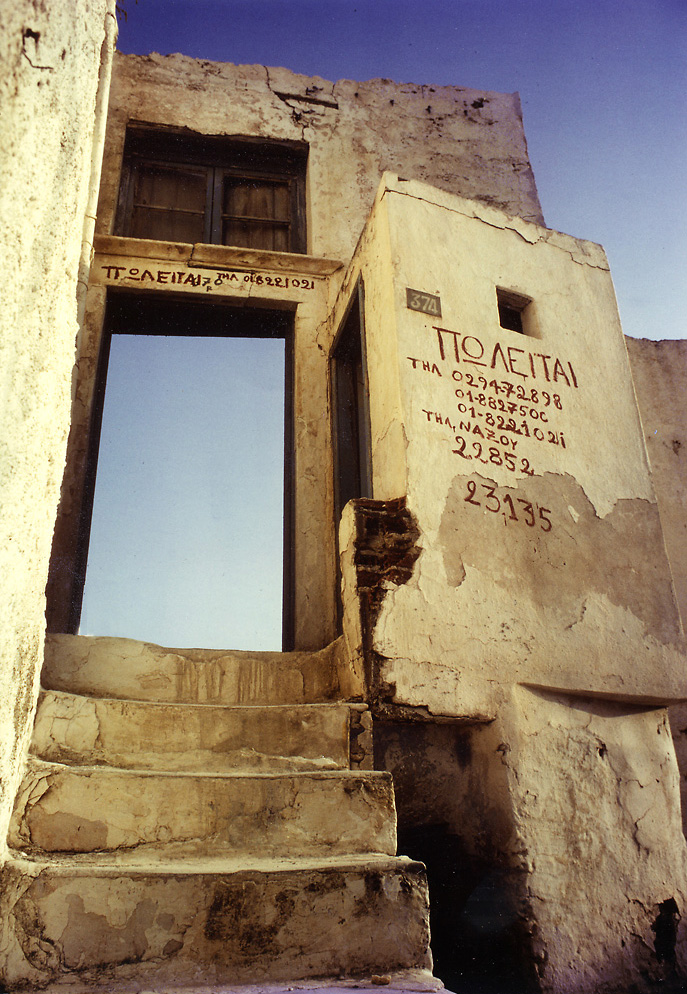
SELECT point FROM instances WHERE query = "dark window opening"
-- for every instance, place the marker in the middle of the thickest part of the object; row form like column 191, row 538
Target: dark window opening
column 512, row 307
column 179, row 186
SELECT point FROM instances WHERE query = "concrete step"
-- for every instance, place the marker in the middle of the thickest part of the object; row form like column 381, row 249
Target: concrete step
column 394, row 982
column 85, row 809
column 95, row 922
column 127, row 669
column 204, row 738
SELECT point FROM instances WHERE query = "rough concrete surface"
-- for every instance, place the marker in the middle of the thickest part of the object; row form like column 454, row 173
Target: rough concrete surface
column 122, row 874
column 91, row 732
column 87, row 809
column 126, row 668
column 212, row 923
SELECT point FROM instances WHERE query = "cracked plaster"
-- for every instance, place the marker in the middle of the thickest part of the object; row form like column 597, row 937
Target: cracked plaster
column 51, row 56
column 547, row 569
column 386, row 125
column 269, row 812
column 160, row 928
column 535, row 593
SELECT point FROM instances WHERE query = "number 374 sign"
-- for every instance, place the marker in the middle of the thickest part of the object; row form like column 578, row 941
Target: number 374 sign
column 427, row 303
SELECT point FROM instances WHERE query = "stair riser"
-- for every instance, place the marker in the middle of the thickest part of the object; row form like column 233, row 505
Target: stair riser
column 239, row 928
column 63, row 810
column 123, row 668
column 90, row 732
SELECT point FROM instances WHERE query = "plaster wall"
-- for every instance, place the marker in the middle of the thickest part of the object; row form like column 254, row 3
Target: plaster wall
column 601, row 856
column 535, row 614
column 552, row 841
column 467, row 141
column 54, row 57
column 542, row 556
column 659, row 371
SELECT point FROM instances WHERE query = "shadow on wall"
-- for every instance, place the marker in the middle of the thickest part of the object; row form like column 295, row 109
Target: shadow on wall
column 477, row 938
column 450, row 818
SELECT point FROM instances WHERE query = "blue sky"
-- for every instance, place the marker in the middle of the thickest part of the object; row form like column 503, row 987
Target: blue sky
column 603, row 85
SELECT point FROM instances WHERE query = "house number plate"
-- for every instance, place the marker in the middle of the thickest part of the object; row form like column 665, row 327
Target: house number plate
column 427, row 303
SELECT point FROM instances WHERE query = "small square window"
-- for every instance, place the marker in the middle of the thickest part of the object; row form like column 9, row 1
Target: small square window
column 512, row 307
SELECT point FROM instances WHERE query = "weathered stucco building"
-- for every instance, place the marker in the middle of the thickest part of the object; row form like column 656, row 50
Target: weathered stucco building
column 483, row 570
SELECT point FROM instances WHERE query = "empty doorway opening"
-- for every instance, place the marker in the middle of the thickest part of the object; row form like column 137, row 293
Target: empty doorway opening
column 187, row 528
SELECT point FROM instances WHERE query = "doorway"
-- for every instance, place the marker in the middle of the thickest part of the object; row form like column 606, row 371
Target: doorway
column 186, row 535
column 350, row 419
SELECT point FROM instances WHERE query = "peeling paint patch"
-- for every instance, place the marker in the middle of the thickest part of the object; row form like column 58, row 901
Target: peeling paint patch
column 63, row 831
column 555, row 558
column 86, row 930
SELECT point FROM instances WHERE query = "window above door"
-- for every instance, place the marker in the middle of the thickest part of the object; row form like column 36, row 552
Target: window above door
column 184, row 187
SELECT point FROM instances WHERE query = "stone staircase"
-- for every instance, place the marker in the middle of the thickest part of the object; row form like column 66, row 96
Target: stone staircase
column 195, row 817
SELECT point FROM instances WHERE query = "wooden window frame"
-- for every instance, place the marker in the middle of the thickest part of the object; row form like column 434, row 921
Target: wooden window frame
column 265, row 160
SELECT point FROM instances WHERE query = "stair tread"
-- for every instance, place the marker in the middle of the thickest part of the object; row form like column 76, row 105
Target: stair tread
column 203, row 706
column 127, row 669
column 115, row 863
column 48, row 768
column 120, row 645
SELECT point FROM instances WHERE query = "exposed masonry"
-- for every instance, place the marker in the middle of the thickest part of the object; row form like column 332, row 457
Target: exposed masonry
column 360, row 733
column 386, row 549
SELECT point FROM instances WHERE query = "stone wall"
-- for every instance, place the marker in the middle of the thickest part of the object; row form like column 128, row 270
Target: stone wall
column 466, row 141
column 53, row 57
